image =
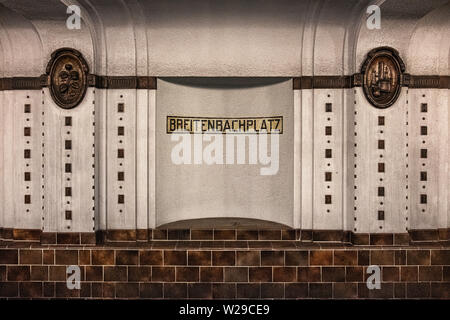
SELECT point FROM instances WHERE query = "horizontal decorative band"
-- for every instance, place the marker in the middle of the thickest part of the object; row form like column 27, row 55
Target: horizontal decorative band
column 299, row 83
column 127, row 235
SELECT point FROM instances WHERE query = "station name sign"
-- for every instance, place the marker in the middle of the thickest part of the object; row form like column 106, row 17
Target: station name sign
column 179, row 124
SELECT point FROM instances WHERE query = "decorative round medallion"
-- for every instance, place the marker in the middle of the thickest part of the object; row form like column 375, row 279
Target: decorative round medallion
column 382, row 73
column 68, row 73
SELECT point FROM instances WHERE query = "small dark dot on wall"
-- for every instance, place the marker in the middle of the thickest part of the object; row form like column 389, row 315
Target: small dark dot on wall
column 121, row 96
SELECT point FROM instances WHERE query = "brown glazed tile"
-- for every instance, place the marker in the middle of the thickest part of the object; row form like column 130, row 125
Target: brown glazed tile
column 409, row 274
column 57, row 273
column 39, row 273
column 248, row 258
column 88, row 238
column 121, row 235
column 150, row 257
column 94, row 273
column 30, row 289
column 27, row 234
column 224, row 291
column 175, row 257
column 217, row 244
column 30, row 256
column 175, row 290
column 418, row 290
column 424, row 235
column 236, row 274
column 9, row 289
column 109, row 290
column 354, row 274
column 269, row 234
column 188, row 245
column 433, row 273
column 305, row 235
column 381, row 239
column 320, row 290
column 223, row 258
column 84, row 257
column 86, row 290
column 2, row 273
column 288, row 234
column 115, row 273
column 247, row 234
column 225, row 234
column 159, row 234
column 248, row 290
column 49, row 289
column 328, row 235
column 296, row 290
column 400, row 290
column 66, row 257
column 309, row 274
column 386, row 291
column 321, row 257
column 199, row 290
column 363, row 257
column 103, row 257
column 440, row 257
column 446, row 273
column 360, row 239
column 440, row 290
column 272, row 290
column 187, row 274
column 418, row 257
column 127, row 257
column 296, row 258
column 143, row 234
column 199, row 258
column 62, row 291
column 211, row 274
column 333, row 274
column 201, row 234
column 48, row 256
column 163, row 274
column 96, row 290
column 284, row 274
column 151, row 290
column 179, row 234
column 401, row 239
column 139, row 274
column 391, row 274
column 345, row 290
column 18, row 273
column 272, row 258
column 238, row 244
column 345, row 257
column 48, row 238
column 382, row 257
column 260, row 274
column 127, row 290
column 68, row 238
column 9, row 256
column 400, row 257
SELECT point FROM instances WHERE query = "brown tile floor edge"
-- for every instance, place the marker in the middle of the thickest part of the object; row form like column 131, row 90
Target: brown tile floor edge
column 318, row 273
column 101, row 237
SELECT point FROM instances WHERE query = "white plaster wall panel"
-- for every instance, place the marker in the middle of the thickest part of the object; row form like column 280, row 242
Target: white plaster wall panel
column 297, row 159
column 80, row 177
column 348, row 158
column 236, row 39
column 2, row 156
column 101, row 160
column 327, row 159
column 398, row 20
column 54, row 35
column 307, row 158
column 121, row 213
column 142, row 161
column 23, row 48
column 22, row 154
column 432, row 214
column 236, row 191
column 429, row 47
column 369, row 177
column 152, row 158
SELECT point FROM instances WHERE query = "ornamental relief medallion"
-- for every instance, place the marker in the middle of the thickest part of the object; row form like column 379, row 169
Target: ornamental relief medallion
column 68, row 72
column 382, row 75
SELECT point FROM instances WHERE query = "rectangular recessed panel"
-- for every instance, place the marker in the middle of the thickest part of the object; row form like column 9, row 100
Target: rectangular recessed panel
column 328, row 199
column 120, row 107
column 121, row 199
column 120, row 131
column 424, row 107
column 423, row 153
column 27, row 176
column 68, row 121
column 328, row 153
column 27, row 108
column 121, row 176
column 380, row 144
column 328, row 130
column 423, row 176
column 328, row 176
column 68, row 192
column 381, row 167
column 68, row 167
column 68, row 144
column 27, row 199
column 120, row 153
column 68, row 215
column 423, row 198
column 328, row 107
column 381, row 120
column 27, row 153
column 423, row 130
column 381, row 191
column 380, row 215
column 27, row 131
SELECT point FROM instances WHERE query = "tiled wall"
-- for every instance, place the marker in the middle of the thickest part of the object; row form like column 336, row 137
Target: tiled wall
column 166, row 272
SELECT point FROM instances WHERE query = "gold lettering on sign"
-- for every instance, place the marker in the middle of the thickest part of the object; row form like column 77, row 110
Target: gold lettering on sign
column 179, row 124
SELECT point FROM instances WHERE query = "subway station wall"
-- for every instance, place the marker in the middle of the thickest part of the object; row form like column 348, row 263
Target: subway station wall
column 103, row 165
